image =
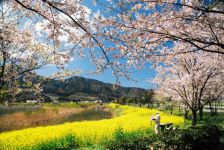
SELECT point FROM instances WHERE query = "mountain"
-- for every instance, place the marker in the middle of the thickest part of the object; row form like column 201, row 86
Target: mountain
column 87, row 89
column 76, row 89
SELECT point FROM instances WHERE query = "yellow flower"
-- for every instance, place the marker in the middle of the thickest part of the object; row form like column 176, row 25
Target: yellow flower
column 131, row 119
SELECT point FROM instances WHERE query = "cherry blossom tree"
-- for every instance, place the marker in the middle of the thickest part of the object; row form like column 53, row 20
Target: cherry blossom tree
column 145, row 31
column 21, row 53
column 142, row 30
column 68, row 26
column 137, row 31
column 192, row 79
column 215, row 95
column 125, row 33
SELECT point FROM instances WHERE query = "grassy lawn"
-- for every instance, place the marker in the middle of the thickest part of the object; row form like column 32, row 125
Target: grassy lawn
column 217, row 119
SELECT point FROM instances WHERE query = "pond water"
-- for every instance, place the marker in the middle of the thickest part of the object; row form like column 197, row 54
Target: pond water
column 21, row 117
column 13, row 109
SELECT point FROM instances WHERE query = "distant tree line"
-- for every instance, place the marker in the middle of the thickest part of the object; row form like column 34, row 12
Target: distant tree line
column 144, row 99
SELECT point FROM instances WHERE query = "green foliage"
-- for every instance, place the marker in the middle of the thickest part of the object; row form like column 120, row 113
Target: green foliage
column 27, row 84
column 140, row 99
column 4, row 95
column 138, row 140
column 217, row 119
column 66, row 143
column 93, row 147
column 85, row 105
column 148, row 96
column 203, row 138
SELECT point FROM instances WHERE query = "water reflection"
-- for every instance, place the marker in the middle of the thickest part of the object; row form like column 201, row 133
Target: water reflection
column 20, row 117
column 13, row 109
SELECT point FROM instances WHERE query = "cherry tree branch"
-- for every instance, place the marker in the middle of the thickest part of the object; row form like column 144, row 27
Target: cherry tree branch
column 77, row 23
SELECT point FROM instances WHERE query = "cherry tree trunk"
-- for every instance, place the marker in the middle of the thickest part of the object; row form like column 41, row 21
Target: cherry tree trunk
column 185, row 115
column 194, row 118
column 201, row 113
column 216, row 108
column 148, row 104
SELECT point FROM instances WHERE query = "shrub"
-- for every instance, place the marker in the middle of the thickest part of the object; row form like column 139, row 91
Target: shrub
column 139, row 140
column 203, row 138
column 66, row 142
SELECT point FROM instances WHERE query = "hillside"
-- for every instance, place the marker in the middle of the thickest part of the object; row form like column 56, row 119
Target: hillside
column 87, row 89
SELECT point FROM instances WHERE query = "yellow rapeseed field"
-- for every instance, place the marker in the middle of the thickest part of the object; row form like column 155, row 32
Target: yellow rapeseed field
column 95, row 132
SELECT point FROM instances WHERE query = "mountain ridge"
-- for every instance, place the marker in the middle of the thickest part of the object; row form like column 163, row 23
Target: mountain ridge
column 77, row 87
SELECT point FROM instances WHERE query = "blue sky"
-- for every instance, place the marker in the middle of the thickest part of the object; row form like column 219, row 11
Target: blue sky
column 141, row 76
